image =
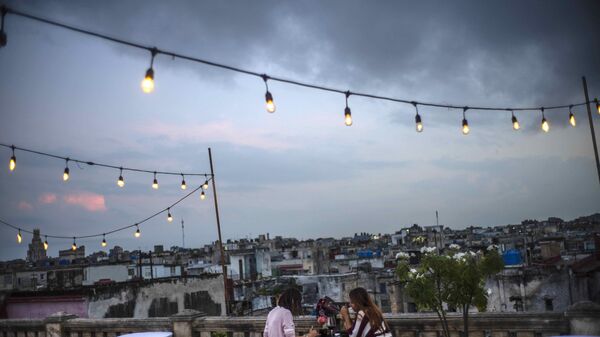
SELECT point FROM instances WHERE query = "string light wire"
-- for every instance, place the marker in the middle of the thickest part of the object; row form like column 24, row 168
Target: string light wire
column 91, row 163
column 103, row 234
column 156, row 51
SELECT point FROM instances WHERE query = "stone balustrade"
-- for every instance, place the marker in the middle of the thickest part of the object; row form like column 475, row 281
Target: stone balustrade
column 580, row 320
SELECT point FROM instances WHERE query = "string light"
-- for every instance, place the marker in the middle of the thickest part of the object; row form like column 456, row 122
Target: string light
column 465, row 124
column 137, row 233
column 155, row 182
column 66, row 172
column 515, row 123
column 103, row 235
column 205, row 185
column 121, row 181
column 202, row 195
column 572, row 117
column 148, row 81
column 597, row 105
column 12, row 164
column 169, row 216
column 183, row 185
column 103, row 243
column 45, row 242
column 268, row 96
column 347, row 113
column 545, row 124
column 74, row 245
column 419, row 124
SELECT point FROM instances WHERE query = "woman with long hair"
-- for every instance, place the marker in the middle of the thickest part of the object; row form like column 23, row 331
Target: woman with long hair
column 280, row 322
column 369, row 320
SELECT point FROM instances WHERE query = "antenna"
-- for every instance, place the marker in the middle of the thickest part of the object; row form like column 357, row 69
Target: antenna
column 437, row 220
column 182, row 235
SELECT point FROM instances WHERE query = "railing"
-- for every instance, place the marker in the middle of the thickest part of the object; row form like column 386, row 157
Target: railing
column 189, row 323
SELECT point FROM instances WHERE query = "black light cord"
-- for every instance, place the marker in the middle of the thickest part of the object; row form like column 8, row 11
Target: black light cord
column 91, row 163
column 137, row 224
column 155, row 51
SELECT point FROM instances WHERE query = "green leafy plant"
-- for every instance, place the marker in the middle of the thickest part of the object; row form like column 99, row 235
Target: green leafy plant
column 452, row 279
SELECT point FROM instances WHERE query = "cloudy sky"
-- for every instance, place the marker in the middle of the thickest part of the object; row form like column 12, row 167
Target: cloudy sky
column 298, row 172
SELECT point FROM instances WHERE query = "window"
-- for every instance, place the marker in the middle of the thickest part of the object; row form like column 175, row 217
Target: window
column 549, row 305
column 382, row 288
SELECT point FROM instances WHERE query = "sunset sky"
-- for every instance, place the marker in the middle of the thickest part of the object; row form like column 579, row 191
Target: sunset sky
column 299, row 172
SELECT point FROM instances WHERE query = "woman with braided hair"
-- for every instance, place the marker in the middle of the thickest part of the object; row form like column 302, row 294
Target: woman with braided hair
column 279, row 321
column 369, row 320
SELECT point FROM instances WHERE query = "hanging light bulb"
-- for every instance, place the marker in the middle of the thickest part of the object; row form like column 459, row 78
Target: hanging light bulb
column 572, row 117
column 202, row 195
column 66, row 172
column 148, row 81
column 74, row 245
column 183, row 185
column 13, row 160
column 19, row 237
column 169, row 216
column 515, row 122
column 103, row 243
column 155, row 182
column 347, row 113
column 268, row 96
column 418, row 122
column 465, row 124
column 121, row 181
column 205, row 185
column 46, row 242
column 545, row 124
column 597, row 105
column 137, row 233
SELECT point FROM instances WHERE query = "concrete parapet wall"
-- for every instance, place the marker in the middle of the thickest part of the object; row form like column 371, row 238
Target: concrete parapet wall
column 192, row 323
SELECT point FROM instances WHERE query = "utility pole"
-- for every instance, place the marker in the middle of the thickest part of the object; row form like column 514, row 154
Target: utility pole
column 587, row 103
column 223, row 267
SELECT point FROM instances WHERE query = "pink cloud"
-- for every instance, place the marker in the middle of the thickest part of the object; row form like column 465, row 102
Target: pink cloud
column 25, row 206
column 47, row 198
column 90, row 201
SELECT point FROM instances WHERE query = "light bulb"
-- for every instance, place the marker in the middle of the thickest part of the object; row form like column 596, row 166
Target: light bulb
column 66, row 174
column 137, row 233
column 465, row 127
column 347, row 116
column 13, row 163
column 19, row 237
column 270, row 104
column 572, row 119
column 74, row 245
column 205, row 185
column 46, row 244
column 515, row 123
column 121, row 182
column 418, row 122
column 545, row 125
column 597, row 106
column 155, row 184
column 103, row 244
column 148, row 81
column 202, row 196
column 183, row 185
column 169, row 216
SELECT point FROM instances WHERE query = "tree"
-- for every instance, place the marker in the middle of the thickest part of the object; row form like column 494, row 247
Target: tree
column 453, row 279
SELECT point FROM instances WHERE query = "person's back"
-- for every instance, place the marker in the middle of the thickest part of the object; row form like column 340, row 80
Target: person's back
column 279, row 323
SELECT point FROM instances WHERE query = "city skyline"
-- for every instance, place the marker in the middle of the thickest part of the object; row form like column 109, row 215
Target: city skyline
column 297, row 172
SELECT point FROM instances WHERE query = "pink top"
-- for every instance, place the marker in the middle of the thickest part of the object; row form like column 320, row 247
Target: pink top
column 279, row 323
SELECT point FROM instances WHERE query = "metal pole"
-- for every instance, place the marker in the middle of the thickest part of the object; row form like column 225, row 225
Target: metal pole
column 587, row 100
column 223, row 267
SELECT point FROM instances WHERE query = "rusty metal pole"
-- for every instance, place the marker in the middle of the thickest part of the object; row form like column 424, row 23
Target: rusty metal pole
column 587, row 100
column 223, row 266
